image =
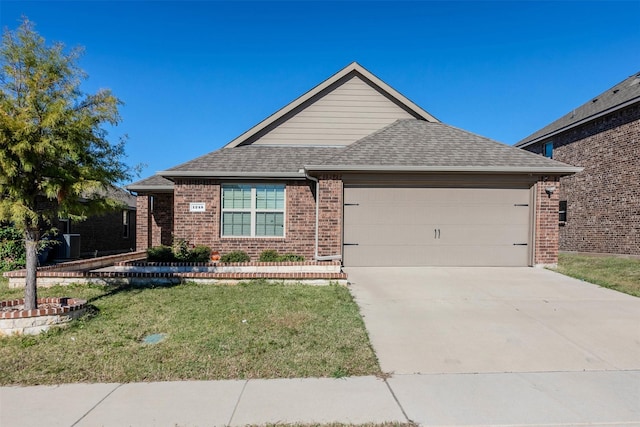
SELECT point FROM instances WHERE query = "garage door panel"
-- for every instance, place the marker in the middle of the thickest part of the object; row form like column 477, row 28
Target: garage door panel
column 400, row 234
column 436, row 226
column 487, row 234
column 414, row 255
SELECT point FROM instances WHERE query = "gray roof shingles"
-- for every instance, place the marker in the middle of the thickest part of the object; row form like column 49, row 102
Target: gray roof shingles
column 257, row 158
column 406, row 144
column 152, row 181
column 623, row 92
column 417, row 143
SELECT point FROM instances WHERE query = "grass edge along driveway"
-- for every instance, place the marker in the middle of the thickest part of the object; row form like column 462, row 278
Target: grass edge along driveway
column 251, row 330
column 620, row 274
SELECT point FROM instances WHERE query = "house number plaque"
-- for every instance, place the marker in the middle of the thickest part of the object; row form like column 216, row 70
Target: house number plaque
column 197, row 207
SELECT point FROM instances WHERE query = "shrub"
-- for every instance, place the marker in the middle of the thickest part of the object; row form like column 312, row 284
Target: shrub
column 12, row 251
column 269, row 255
column 160, row 254
column 200, row 253
column 181, row 250
column 290, row 258
column 235, row 256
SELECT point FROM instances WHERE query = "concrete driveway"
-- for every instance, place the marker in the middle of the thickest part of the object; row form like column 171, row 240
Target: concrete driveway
column 437, row 320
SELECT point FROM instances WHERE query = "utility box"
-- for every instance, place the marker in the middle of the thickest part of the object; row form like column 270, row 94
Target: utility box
column 69, row 247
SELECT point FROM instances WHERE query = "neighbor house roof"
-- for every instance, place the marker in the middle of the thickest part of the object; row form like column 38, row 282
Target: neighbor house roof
column 121, row 195
column 419, row 146
column 621, row 95
column 322, row 89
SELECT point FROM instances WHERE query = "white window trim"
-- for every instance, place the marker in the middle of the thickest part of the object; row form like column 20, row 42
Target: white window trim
column 126, row 224
column 252, row 211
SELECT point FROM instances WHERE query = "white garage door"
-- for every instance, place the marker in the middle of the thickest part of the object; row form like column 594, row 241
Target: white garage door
column 436, row 226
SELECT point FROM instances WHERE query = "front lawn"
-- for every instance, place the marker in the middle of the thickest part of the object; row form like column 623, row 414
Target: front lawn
column 252, row 330
column 620, row 274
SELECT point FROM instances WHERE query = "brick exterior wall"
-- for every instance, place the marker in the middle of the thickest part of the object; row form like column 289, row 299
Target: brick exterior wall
column 330, row 215
column 154, row 228
column 546, row 223
column 104, row 233
column 162, row 219
column 603, row 201
column 142, row 222
column 204, row 227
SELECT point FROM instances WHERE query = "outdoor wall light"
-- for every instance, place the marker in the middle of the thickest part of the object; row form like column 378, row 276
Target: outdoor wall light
column 550, row 190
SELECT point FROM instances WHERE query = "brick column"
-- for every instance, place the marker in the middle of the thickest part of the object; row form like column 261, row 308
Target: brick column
column 330, row 215
column 546, row 224
column 162, row 219
column 142, row 222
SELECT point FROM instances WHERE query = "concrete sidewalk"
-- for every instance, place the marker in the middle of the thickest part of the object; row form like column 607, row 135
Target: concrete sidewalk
column 543, row 399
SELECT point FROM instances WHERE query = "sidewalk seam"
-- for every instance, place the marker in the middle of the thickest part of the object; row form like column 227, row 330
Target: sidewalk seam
column 235, row 408
column 397, row 401
column 96, row 405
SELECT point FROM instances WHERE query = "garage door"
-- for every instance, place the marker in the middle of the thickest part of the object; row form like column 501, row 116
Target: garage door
column 436, row 226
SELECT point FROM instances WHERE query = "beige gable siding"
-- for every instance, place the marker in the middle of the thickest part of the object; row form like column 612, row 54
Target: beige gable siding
column 348, row 113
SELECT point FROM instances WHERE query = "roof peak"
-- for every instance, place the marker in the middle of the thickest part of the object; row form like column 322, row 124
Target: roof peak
column 322, row 89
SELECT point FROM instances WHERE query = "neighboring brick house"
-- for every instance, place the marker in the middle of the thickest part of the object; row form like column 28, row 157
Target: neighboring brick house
column 106, row 234
column 353, row 170
column 600, row 206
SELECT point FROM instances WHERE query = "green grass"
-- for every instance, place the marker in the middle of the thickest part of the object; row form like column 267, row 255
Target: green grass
column 620, row 274
column 252, row 330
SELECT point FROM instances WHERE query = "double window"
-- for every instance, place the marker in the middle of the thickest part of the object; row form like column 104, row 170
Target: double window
column 252, row 210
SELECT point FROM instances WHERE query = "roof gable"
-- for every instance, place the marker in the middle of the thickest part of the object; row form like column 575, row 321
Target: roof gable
column 347, row 106
column 621, row 95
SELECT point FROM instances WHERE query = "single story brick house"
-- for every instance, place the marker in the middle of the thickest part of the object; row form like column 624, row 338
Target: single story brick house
column 109, row 233
column 600, row 206
column 353, row 170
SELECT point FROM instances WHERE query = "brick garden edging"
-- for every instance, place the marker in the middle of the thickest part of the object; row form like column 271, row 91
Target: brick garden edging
column 309, row 272
column 30, row 322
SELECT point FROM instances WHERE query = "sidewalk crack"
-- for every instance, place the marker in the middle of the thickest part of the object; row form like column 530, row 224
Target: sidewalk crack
column 96, row 405
column 398, row 402
column 235, row 408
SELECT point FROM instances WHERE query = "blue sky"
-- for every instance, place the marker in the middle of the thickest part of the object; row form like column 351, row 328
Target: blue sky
column 195, row 74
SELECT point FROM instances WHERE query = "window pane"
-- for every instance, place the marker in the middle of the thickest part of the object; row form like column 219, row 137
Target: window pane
column 236, row 197
column 236, row 224
column 269, row 224
column 563, row 211
column 269, row 197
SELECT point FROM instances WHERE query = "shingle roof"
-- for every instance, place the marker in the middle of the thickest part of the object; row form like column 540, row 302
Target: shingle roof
column 254, row 159
column 405, row 145
column 114, row 193
column 155, row 182
column 419, row 145
column 625, row 92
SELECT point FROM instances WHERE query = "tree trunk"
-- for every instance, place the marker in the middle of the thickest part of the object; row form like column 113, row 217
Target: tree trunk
column 31, row 238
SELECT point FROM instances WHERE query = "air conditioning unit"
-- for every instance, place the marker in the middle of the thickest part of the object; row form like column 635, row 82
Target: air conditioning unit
column 70, row 246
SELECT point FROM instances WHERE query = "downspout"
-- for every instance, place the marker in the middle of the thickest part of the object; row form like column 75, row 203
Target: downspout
column 316, row 256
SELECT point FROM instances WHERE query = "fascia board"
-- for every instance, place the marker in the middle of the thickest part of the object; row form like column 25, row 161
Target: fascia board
column 223, row 174
column 149, row 187
column 578, row 123
column 354, row 66
column 459, row 169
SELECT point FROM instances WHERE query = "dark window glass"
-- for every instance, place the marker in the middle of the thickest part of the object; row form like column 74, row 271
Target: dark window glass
column 562, row 213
